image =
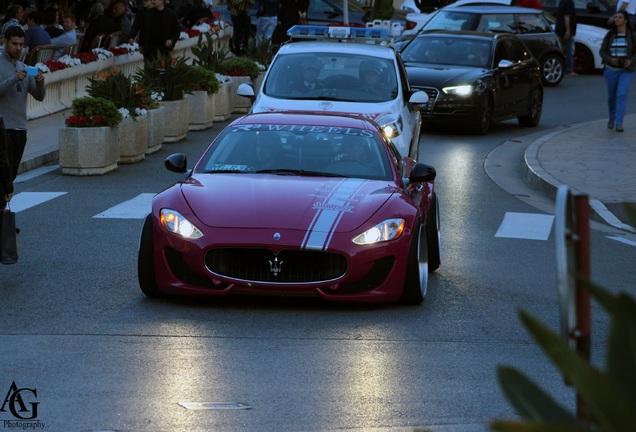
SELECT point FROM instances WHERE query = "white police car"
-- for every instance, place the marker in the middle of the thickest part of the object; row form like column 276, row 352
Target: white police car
column 343, row 70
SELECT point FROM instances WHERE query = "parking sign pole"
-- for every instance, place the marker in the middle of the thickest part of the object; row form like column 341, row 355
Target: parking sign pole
column 572, row 240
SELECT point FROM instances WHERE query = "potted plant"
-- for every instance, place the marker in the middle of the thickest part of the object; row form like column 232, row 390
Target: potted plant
column 87, row 143
column 132, row 133
column 208, row 55
column 242, row 70
column 201, row 102
column 156, row 115
column 175, row 78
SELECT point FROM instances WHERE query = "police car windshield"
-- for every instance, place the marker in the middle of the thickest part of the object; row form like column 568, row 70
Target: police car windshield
column 330, row 76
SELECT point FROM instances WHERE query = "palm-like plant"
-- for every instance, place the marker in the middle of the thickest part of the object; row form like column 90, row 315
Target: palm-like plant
column 173, row 77
column 118, row 88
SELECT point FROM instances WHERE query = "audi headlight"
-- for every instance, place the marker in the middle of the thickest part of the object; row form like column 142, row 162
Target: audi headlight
column 175, row 222
column 393, row 129
column 390, row 229
column 462, row 90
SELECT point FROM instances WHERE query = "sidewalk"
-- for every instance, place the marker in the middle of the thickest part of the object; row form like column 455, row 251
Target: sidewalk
column 588, row 157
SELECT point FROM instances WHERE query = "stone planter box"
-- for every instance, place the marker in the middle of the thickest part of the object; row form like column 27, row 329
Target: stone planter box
column 132, row 138
column 177, row 114
column 223, row 103
column 156, row 129
column 201, row 110
column 87, row 151
column 241, row 104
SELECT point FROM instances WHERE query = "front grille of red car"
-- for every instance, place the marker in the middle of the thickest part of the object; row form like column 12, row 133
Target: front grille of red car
column 287, row 267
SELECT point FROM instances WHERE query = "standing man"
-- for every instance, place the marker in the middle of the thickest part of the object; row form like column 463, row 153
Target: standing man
column 267, row 18
column 15, row 86
column 240, row 15
column 565, row 28
column 160, row 31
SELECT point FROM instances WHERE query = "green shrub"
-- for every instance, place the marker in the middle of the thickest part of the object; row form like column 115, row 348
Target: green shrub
column 240, row 66
column 93, row 112
column 207, row 80
column 207, row 55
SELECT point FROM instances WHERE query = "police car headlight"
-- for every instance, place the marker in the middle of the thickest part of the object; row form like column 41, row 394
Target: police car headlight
column 389, row 229
column 393, row 129
column 462, row 90
column 176, row 223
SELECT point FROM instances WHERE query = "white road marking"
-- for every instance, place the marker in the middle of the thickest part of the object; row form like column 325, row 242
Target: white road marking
column 136, row 208
column 26, row 200
column 28, row 175
column 622, row 240
column 528, row 226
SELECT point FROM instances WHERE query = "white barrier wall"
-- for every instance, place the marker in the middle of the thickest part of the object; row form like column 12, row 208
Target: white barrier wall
column 67, row 84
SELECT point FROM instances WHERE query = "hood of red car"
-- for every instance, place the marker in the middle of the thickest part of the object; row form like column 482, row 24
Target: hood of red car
column 281, row 201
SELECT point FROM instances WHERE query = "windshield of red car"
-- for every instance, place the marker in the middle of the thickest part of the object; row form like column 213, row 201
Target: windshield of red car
column 297, row 149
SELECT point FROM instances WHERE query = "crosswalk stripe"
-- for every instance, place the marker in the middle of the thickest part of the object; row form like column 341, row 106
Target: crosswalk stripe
column 137, row 208
column 527, row 226
column 26, row 200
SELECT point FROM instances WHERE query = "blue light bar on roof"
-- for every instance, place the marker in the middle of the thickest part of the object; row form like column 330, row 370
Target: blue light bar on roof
column 349, row 33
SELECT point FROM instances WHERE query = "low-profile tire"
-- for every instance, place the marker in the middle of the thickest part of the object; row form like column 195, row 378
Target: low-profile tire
column 552, row 69
column 484, row 119
column 583, row 59
column 146, row 262
column 535, row 107
column 416, row 282
column 433, row 236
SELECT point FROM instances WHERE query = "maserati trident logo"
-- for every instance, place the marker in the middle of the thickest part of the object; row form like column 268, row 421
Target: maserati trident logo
column 275, row 266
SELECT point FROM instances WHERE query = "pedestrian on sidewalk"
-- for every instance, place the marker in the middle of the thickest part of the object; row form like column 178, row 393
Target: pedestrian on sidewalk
column 618, row 52
column 240, row 16
column 15, row 86
column 6, row 183
column 565, row 28
column 267, row 19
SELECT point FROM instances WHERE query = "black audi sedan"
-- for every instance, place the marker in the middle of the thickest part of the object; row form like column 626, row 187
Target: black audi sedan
column 474, row 78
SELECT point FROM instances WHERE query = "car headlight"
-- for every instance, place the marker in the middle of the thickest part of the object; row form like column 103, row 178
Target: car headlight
column 462, row 90
column 389, row 229
column 175, row 222
column 393, row 129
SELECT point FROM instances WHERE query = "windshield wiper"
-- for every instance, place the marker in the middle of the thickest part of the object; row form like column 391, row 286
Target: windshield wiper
column 299, row 173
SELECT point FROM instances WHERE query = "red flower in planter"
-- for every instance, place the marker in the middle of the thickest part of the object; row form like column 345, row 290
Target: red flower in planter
column 192, row 32
column 86, row 57
column 55, row 65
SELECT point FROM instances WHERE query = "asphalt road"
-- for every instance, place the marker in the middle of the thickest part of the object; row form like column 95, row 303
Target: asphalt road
column 95, row 355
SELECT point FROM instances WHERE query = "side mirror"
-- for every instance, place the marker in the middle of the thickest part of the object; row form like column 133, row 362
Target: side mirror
column 418, row 99
column 177, row 162
column 422, row 173
column 505, row 64
column 246, row 90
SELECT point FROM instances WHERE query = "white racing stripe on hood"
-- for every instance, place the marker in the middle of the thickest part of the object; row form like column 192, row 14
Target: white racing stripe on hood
column 330, row 212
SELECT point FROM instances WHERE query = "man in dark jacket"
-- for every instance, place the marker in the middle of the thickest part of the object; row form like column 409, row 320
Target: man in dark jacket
column 160, row 31
column 100, row 24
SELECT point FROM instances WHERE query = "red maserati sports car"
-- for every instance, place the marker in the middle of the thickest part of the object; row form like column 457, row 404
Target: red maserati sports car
column 295, row 204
